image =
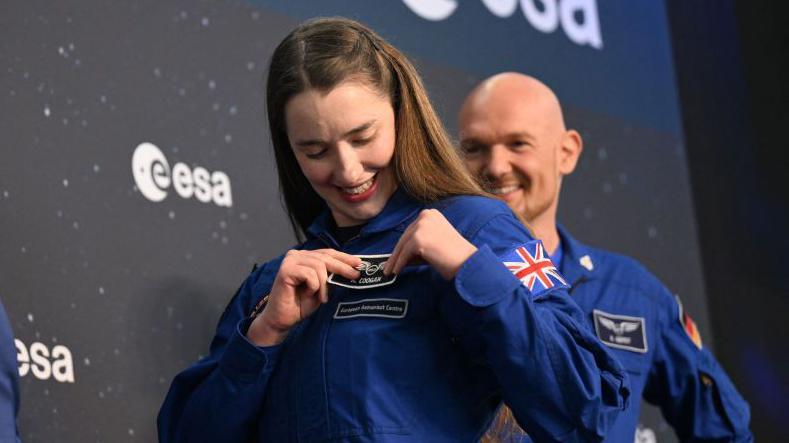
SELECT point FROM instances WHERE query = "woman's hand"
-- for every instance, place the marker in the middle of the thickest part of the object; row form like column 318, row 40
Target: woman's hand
column 300, row 287
column 431, row 238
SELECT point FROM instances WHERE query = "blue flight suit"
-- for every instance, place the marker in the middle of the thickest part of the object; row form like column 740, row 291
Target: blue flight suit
column 435, row 370
column 644, row 325
column 9, row 382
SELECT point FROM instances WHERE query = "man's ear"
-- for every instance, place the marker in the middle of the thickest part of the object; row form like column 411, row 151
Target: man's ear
column 570, row 151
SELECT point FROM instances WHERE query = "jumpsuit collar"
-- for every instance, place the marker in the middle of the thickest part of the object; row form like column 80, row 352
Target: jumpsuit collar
column 577, row 263
column 398, row 211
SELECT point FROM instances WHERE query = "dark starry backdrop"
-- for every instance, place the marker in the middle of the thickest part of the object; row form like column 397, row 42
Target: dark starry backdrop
column 134, row 288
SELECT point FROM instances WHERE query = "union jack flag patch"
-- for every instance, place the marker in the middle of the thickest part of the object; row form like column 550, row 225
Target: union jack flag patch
column 532, row 266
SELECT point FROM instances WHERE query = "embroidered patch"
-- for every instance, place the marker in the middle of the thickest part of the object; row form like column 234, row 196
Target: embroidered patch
column 621, row 331
column 688, row 324
column 372, row 274
column 532, row 266
column 374, row 307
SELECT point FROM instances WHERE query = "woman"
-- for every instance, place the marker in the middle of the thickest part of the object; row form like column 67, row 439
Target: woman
column 354, row 344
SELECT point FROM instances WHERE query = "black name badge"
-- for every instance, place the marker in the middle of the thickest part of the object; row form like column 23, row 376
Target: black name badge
column 374, row 307
column 621, row 331
column 372, row 274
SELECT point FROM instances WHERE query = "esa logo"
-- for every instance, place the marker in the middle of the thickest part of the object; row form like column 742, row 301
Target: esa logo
column 43, row 363
column 153, row 177
column 578, row 18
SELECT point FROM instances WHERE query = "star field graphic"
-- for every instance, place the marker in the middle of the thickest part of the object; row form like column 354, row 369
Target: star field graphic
column 120, row 292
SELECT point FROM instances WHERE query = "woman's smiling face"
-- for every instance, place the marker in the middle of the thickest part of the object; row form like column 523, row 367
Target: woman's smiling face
column 344, row 140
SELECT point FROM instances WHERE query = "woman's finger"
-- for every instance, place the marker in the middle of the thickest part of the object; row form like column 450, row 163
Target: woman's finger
column 397, row 250
column 300, row 275
column 351, row 260
column 406, row 253
column 324, row 287
column 321, row 271
column 314, row 262
column 337, row 266
column 311, row 280
column 323, row 265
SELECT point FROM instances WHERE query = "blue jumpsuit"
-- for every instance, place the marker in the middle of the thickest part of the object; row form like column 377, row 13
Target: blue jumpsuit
column 644, row 325
column 434, row 369
column 9, row 382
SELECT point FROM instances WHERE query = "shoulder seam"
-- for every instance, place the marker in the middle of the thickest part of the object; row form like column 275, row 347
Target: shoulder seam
column 476, row 229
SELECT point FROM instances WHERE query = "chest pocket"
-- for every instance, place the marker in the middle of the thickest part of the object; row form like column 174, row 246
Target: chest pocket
column 634, row 363
column 377, row 356
column 627, row 335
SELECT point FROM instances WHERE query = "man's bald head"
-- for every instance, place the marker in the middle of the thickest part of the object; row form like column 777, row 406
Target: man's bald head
column 508, row 90
column 513, row 138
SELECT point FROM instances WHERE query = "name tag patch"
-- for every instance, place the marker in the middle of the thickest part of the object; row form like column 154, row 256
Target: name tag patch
column 372, row 274
column 621, row 331
column 375, row 307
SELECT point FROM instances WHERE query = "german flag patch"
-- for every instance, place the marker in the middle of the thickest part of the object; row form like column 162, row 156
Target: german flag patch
column 688, row 324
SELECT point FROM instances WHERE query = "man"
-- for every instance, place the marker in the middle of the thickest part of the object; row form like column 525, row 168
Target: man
column 513, row 138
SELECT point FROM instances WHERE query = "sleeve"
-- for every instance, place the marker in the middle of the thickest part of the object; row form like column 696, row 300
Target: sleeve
column 220, row 397
column 558, row 379
column 694, row 393
column 9, row 382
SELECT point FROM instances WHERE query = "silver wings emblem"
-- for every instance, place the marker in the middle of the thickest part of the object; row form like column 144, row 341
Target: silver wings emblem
column 621, row 328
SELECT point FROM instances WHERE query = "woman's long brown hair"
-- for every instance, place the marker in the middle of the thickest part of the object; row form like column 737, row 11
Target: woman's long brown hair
column 322, row 53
